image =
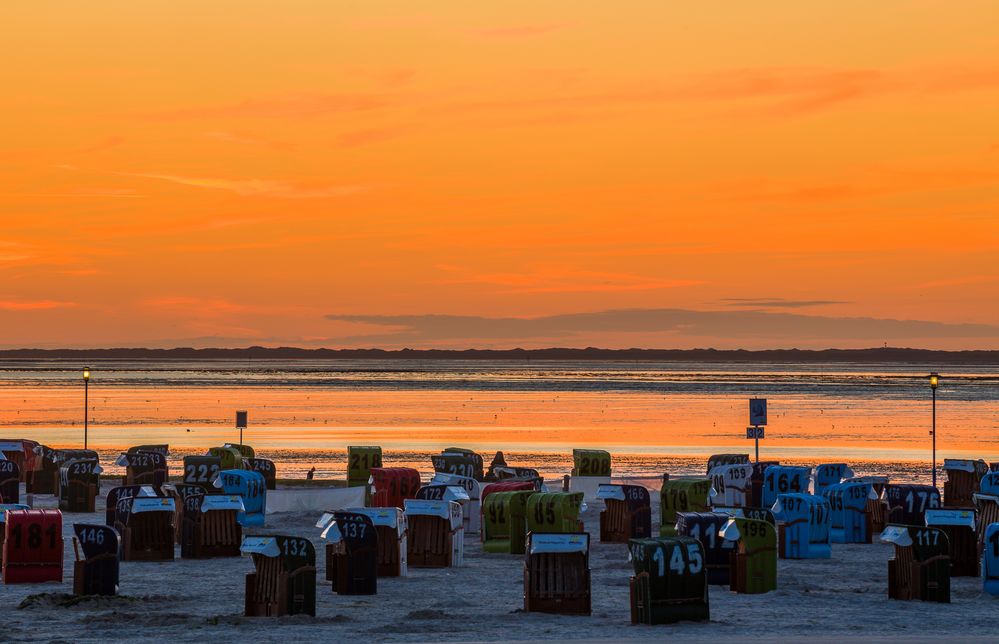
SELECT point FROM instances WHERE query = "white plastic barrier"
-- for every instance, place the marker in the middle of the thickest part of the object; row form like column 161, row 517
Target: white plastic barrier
column 314, row 499
column 588, row 485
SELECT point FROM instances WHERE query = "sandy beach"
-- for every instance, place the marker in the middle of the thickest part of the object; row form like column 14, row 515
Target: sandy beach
column 202, row 600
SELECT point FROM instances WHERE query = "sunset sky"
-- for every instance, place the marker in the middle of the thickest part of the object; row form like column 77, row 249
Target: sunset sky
column 473, row 174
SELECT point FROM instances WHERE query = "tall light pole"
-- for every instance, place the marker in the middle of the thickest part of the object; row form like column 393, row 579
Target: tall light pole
column 934, row 382
column 86, row 403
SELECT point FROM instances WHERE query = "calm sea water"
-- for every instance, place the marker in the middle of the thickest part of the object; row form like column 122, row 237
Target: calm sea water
column 654, row 417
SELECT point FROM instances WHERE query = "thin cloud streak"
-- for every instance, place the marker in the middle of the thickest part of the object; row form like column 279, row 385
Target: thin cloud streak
column 252, row 187
column 727, row 325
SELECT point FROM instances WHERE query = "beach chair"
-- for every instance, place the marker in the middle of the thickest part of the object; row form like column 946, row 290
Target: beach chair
column 670, row 583
column 907, row 504
column 393, row 485
column 146, row 527
column 251, row 487
column 10, row 482
column 986, row 503
column 783, row 479
column 803, row 526
column 705, row 527
column 116, row 494
column 245, row 451
column 557, row 573
column 507, row 486
column 627, row 513
column 144, row 467
column 63, row 456
column 507, row 473
column 3, row 517
column 284, row 577
column 463, row 462
column 209, row 527
column 878, row 482
column 360, row 460
column 229, row 457
column 266, row 469
column 32, row 547
column 920, row 568
column 963, row 478
column 732, row 484
column 471, row 506
column 44, row 475
column 97, row 572
column 79, row 481
column 554, row 512
column 850, row 507
column 392, row 529
column 16, row 450
column 828, row 474
column 959, row 526
column 717, row 460
column 591, row 462
column 180, row 493
column 201, row 471
column 158, row 448
column 756, row 482
column 682, row 495
column 990, row 560
column 877, row 507
column 754, row 559
column 504, row 526
column 436, row 534
column 352, row 554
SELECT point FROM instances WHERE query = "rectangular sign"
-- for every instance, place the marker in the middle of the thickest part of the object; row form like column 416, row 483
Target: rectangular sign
column 754, row 432
column 240, row 420
column 757, row 411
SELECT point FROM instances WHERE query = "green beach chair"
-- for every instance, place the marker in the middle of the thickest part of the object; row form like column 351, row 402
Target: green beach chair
column 754, row 564
column 682, row 495
column 360, row 460
column 505, row 522
column 229, row 457
column 591, row 462
column 554, row 512
column 670, row 582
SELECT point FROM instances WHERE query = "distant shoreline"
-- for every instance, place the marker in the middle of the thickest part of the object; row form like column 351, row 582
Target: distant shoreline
column 877, row 355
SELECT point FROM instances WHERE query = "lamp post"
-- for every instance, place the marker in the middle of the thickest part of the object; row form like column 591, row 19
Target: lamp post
column 86, row 403
column 934, row 382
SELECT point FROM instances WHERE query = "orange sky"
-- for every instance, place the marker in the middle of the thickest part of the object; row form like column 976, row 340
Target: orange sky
column 232, row 173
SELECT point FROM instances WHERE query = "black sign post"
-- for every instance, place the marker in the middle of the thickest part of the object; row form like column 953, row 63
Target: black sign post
column 240, row 424
column 758, row 421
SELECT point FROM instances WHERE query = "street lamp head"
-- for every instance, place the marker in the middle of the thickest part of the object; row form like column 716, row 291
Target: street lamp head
column 934, row 380
column 86, row 374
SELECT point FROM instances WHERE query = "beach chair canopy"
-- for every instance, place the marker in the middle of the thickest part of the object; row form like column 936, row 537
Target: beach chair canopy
column 591, row 462
column 252, row 488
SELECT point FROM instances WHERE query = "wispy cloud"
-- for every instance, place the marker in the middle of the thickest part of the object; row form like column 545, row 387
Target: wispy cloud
column 33, row 305
column 576, row 328
column 253, row 187
column 776, row 302
column 194, row 306
column 289, row 106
